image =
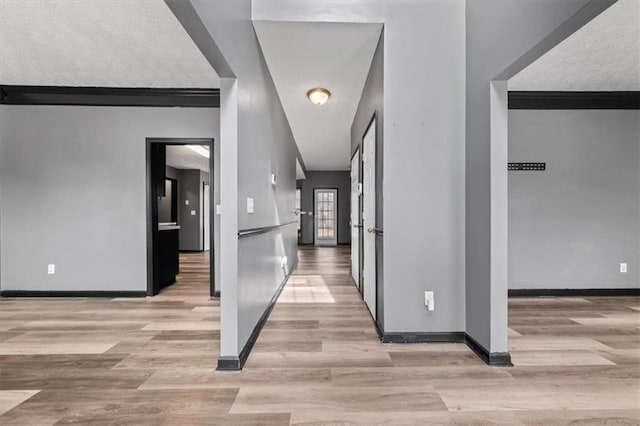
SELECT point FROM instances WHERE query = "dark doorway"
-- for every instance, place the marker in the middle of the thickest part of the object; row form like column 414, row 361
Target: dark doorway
column 163, row 245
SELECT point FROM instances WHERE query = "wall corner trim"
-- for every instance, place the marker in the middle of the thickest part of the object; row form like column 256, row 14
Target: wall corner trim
column 431, row 337
column 71, row 293
column 574, row 292
column 110, row 96
column 229, row 363
column 490, row 358
column 555, row 100
column 494, row 359
column 236, row 363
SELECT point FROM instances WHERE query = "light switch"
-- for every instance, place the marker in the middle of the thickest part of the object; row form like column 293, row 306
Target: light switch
column 249, row 205
column 193, row 212
column 273, row 179
column 51, row 269
column 218, row 209
column 186, row 202
column 623, row 268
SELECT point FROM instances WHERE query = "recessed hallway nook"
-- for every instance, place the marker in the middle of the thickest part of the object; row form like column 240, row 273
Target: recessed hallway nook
column 317, row 360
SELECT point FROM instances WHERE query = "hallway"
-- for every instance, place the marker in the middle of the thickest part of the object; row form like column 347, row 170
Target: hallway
column 317, row 360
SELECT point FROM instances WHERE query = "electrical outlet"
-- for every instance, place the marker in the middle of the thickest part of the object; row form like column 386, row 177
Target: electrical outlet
column 273, row 179
column 51, row 269
column 249, row 205
column 193, row 212
column 623, row 268
column 218, row 209
column 429, row 300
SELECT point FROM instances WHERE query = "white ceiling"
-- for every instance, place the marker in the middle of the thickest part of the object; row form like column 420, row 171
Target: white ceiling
column 335, row 56
column 111, row 43
column 604, row 55
column 183, row 157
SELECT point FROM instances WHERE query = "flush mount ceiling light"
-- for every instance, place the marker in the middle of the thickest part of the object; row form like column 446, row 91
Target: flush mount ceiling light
column 318, row 96
column 200, row 150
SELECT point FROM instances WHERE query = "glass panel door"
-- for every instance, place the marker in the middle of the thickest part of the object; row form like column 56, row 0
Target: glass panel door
column 326, row 227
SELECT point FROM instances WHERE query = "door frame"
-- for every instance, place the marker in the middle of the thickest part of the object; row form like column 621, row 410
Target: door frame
column 152, row 209
column 314, row 211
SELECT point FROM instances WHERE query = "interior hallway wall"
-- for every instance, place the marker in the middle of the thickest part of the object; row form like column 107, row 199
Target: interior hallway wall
column 190, row 187
column 423, row 185
column 73, row 185
column 498, row 33
column 372, row 104
column 572, row 225
column 265, row 146
column 331, row 180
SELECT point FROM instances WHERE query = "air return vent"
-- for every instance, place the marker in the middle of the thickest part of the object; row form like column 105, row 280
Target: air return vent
column 527, row 166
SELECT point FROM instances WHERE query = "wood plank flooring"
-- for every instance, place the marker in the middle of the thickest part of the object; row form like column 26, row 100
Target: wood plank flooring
column 317, row 361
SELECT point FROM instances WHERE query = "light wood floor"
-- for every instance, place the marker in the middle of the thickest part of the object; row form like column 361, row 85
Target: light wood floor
column 318, row 360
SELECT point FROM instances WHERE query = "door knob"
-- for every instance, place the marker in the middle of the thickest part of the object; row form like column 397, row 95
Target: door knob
column 371, row 230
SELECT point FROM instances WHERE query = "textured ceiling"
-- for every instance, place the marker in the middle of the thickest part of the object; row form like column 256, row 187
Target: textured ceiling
column 111, row 43
column 183, row 157
column 604, row 55
column 301, row 56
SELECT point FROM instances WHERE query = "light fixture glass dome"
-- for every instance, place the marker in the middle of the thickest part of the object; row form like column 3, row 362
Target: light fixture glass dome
column 318, row 96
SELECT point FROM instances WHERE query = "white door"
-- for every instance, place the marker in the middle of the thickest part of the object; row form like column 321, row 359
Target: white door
column 355, row 219
column 369, row 216
column 206, row 217
column 325, row 223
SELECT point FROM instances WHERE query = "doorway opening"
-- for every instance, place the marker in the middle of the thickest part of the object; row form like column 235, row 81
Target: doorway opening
column 325, row 224
column 180, row 227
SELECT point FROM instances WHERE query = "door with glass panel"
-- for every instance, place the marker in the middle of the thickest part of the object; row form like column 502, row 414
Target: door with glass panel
column 325, row 223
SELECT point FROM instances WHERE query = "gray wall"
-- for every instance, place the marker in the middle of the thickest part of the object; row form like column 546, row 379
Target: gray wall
column 572, row 225
column 372, row 103
column 165, row 203
column 72, row 181
column 265, row 145
column 423, row 187
column 318, row 180
column 498, row 34
column 191, row 227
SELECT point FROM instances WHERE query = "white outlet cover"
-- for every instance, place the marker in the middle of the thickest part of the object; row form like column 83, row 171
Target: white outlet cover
column 249, row 205
column 193, row 212
column 218, row 209
column 623, row 268
column 186, row 202
column 429, row 300
column 51, row 269
column 273, row 179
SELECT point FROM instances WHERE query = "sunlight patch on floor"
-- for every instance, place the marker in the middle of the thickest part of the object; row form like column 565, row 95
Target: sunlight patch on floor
column 306, row 289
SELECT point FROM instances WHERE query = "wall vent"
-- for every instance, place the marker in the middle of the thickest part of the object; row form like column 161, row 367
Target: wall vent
column 527, row 166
